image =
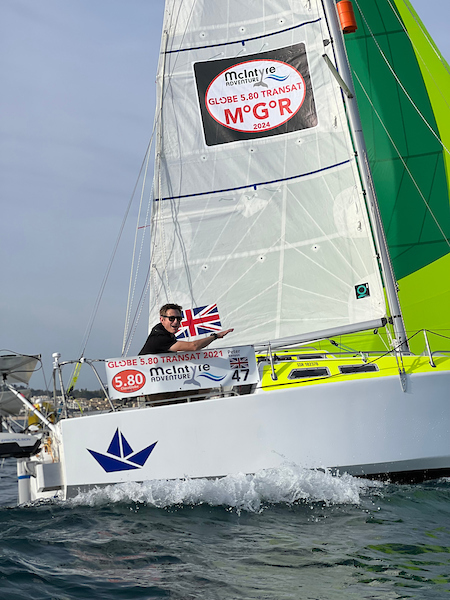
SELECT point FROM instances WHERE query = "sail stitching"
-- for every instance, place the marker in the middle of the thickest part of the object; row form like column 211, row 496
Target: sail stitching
column 243, row 42
column 254, row 185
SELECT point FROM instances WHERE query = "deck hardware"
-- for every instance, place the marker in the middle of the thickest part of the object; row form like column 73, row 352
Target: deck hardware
column 338, row 78
column 402, row 374
column 273, row 375
column 430, row 355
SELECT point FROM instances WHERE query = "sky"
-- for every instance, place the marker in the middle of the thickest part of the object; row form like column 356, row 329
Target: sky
column 76, row 115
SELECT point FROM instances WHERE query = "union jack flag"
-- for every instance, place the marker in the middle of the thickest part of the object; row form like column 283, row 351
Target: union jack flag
column 239, row 363
column 196, row 321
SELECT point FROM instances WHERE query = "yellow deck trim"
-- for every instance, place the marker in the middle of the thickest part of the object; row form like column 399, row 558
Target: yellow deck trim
column 387, row 367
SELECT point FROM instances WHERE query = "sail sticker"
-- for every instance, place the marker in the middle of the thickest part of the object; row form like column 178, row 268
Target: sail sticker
column 268, row 94
column 252, row 110
column 362, row 291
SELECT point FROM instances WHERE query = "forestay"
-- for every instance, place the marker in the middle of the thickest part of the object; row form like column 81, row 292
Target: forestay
column 257, row 201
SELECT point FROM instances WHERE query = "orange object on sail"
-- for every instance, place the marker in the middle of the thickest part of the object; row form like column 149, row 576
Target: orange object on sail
column 346, row 16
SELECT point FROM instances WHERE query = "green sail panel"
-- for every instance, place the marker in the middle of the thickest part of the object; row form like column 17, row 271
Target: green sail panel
column 406, row 125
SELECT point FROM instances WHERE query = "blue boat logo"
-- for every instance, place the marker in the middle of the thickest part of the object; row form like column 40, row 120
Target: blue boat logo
column 126, row 458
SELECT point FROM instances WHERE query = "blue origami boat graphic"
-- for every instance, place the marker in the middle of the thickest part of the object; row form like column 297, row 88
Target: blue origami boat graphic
column 120, row 448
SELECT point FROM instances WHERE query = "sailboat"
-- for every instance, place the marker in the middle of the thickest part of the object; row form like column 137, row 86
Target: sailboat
column 268, row 198
column 16, row 370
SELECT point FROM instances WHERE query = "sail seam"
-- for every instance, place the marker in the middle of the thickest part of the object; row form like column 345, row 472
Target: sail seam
column 254, row 185
column 243, row 42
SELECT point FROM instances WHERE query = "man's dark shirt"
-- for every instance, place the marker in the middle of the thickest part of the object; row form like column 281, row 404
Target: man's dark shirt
column 159, row 341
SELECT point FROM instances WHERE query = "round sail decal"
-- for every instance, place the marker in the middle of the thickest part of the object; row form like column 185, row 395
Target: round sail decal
column 256, row 95
column 128, row 381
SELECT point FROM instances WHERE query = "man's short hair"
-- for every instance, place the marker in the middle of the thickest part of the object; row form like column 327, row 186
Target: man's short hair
column 163, row 310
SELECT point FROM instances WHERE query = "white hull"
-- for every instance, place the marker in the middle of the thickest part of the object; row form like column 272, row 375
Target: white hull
column 364, row 427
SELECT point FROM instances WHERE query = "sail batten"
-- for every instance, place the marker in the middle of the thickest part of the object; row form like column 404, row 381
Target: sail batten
column 243, row 41
column 254, row 186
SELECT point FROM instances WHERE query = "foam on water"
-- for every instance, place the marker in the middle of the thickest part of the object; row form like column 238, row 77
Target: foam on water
column 286, row 484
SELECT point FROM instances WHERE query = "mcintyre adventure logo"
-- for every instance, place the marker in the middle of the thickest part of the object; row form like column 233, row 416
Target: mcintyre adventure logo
column 280, row 94
column 270, row 93
column 120, row 455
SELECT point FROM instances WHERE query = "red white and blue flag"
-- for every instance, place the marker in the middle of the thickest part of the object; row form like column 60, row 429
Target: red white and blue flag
column 200, row 320
column 239, row 363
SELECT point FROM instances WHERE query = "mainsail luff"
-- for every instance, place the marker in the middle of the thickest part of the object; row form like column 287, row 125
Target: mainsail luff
column 269, row 224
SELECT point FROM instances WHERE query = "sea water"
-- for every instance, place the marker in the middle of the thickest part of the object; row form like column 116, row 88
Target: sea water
column 281, row 534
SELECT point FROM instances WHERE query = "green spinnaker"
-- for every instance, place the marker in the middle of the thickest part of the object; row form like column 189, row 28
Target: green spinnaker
column 402, row 86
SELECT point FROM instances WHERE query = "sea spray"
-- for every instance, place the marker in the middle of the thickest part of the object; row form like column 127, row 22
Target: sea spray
column 287, row 484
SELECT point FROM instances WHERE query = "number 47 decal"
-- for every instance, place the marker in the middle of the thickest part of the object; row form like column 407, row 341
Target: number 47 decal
column 238, row 374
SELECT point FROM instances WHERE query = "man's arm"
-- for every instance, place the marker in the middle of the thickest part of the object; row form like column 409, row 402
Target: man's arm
column 180, row 346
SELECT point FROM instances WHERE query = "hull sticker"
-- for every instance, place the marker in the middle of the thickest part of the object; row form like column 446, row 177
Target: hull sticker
column 120, row 455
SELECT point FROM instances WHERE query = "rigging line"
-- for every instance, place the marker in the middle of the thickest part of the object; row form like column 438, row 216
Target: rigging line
column 137, row 315
column 255, row 185
column 427, row 37
column 403, row 161
column 243, row 42
column 138, row 267
column 111, row 260
column 416, row 50
column 413, row 104
column 127, row 338
column 131, row 287
column 446, row 337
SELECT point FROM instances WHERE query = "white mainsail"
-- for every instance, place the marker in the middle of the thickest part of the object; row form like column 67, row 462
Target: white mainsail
column 258, row 205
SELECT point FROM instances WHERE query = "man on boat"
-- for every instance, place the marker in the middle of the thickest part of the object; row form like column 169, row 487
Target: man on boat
column 162, row 336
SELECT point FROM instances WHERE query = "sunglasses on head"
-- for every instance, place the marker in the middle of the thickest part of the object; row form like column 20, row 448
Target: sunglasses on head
column 172, row 319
